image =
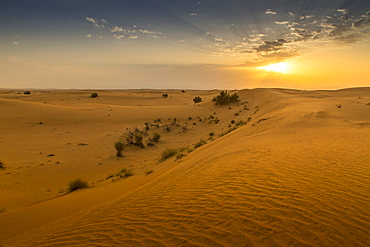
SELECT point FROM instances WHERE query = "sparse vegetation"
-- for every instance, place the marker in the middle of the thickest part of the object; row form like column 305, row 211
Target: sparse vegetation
column 94, row 95
column 156, row 137
column 197, row 100
column 2, row 165
column 211, row 134
column 199, row 144
column 225, row 98
column 119, row 147
column 164, row 95
column 76, row 185
column 124, row 173
column 169, row 152
column 179, row 156
column 27, row 92
column 228, row 131
column 148, row 172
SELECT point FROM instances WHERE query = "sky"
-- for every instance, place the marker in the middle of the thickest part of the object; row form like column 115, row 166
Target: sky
column 190, row 44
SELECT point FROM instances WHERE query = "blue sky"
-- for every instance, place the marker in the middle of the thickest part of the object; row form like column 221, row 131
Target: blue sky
column 182, row 44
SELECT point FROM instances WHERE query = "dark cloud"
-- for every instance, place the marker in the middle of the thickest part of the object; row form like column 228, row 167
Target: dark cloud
column 271, row 46
column 338, row 29
column 363, row 21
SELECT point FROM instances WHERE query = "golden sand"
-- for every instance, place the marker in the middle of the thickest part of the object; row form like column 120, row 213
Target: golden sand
column 297, row 173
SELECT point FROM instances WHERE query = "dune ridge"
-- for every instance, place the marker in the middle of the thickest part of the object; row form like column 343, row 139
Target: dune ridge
column 297, row 174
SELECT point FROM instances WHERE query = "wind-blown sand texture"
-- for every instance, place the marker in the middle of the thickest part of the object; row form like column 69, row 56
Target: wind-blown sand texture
column 296, row 174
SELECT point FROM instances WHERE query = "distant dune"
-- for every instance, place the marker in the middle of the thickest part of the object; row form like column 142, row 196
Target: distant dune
column 279, row 168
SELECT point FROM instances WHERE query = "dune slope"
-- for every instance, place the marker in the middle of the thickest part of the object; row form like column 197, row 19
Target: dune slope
column 298, row 174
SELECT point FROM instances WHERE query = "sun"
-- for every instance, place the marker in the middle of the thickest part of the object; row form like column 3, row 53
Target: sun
column 277, row 67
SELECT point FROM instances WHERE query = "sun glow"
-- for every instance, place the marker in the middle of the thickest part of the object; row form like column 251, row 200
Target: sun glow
column 277, row 67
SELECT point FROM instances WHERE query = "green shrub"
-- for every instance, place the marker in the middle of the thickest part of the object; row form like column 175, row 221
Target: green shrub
column 119, row 147
column 156, row 137
column 77, row 184
column 197, row 99
column 225, row 98
column 169, row 152
column 94, row 95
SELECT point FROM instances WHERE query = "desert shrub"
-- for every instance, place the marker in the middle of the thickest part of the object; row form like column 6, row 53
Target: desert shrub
column 94, row 95
column 77, row 184
column 228, row 131
column 156, row 137
column 124, row 173
column 197, row 99
column 27, row 92
column 148, row 172
column 199, row 144
column 169, row 152
column 232, row 121
column 119, row 147
column 211, row 134
column 164, row 95
column 224, row 98
column 240, row 123
column 179, row 156
column 2, row 165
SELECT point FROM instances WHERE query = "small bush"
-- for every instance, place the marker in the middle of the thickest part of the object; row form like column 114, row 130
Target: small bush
column 156, row 137
column 27, row 92
column 211, row 134
column 94, row 95
column 2, row 165
column 148, row 172
column 164, row 95
column 197, row 99
column 169, row 152
column 225, row 98
column 119, row 147
column 124, row 173
column 179, row 156
column 77, row 184
column 199, row 144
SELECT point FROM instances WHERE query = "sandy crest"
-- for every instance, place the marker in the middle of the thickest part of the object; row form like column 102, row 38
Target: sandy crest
column 297, row 174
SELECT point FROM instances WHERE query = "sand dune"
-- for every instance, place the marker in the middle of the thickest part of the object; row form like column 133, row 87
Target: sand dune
column 297, row 174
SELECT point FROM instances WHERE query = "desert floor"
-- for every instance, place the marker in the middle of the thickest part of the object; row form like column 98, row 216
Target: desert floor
column 279, row 168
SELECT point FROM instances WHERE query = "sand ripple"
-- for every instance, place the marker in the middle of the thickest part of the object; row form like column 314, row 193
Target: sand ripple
column 254, row 197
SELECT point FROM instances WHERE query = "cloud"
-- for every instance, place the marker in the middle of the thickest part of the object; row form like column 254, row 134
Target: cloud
column 282, row 22
column 15, row 43
column 127, row 33
column 271, row 46
column 116, row 29
column 88, row 36
column 270, row 12
column 291, row 13
column 193, row 14
column 343, row 11
column 95, row 22
column 118, row 36
column 18, row 37
column 363, row 21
